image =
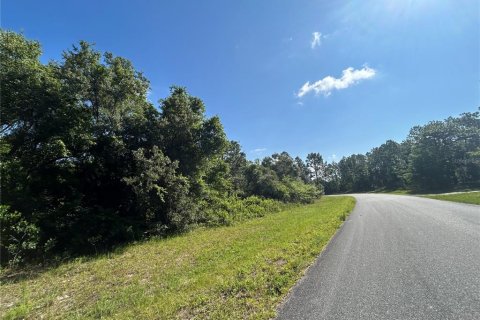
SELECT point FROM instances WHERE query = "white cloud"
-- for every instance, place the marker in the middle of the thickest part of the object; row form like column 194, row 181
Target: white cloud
column 316, row 40
column 326, row 85
column 258, row 150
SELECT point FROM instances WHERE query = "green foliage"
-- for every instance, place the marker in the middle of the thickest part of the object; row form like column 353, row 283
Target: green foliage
column 354, row 173
column 283, row 165
column 235, row 272
column 236, row 161
column 84, row 152
column 161, row 195
column 441, row 155
column 19, row 238
column 387, row 166
column 332, row 180
column 299, row 192
column 219, row 210
column 316, row 166
column 88, row 162
column 263, row 181
column 188, row 137
column 444, row 154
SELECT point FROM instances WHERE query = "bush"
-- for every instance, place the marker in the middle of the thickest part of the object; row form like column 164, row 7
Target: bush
column 161, row 194
column 19, row 238
column 300, row 192
column 264, row 182
column 219, row 210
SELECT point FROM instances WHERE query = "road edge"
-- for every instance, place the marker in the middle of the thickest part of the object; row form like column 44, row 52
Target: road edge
column 318, row 259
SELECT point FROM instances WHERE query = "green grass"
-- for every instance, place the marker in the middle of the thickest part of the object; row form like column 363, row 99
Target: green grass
column 236, row 272
column 397, row 191
column 465, row 197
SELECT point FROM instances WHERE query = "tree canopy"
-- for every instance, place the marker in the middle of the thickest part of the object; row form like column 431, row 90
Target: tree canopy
column 88, row 162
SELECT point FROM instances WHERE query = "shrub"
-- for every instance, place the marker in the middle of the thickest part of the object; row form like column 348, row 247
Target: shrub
column 300, row 192
column 218, row 210
column 264, row 182
column 19, row 238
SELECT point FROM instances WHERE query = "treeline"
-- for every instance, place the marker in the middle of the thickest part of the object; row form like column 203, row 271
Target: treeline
column 88, row 162
column 439, row 156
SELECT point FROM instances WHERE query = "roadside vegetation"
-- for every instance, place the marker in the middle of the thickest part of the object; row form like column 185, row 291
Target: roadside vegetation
column 472, row 197
column 89, row 163
column 234, row 272
column 397, row 191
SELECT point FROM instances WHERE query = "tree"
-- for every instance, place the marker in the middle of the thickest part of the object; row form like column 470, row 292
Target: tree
column 332, row 179
column 188, row 137
column 354, row 173
column 283, row 165
column 443, row 153
column 161, row 194
column 386, row 166
column 71, row 135
column 88, row 162
column 302, row 171
column 317, row 167
column 237, row 163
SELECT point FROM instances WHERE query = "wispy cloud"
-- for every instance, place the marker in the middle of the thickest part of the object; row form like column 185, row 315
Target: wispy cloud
column 333, row 157
column 258, row 150
column 326, row 85
column 316, row 39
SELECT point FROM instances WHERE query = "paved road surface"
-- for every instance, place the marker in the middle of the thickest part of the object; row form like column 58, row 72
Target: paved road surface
column 396, row 257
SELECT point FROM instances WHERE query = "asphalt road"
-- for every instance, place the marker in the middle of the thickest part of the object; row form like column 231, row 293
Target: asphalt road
column 396, row 257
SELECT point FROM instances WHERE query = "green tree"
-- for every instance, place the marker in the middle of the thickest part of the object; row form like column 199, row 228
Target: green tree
column 237, row 164
column 443, row 153
column 302, row 171
column 387, row 166
column 188, row 137
column 354, row 173
column 283, row 165
column 161, row 194
column 316, row 166
column 332, row 179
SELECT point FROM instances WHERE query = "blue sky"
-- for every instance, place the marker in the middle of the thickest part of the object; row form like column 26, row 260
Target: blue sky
column 374, row 68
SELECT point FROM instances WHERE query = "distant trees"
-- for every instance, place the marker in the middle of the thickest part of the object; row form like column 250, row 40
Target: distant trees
column 387, row 166
column 441, row 155
column 445, row 154
column 316, row 166
column 283, row 178
column 354, row 173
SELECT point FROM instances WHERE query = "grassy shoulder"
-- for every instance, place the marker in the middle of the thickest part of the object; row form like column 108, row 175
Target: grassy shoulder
column 396, row 191
column 236, row 272
column 464, row 197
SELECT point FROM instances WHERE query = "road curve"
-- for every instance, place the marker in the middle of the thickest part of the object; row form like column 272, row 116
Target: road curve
column 396, row 257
